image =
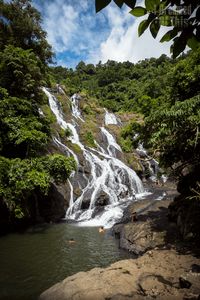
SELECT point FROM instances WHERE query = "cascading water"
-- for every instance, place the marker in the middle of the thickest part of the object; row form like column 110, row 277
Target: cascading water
column 151, row 164
column 109, row 185
column 75, row 109
column 110, row 118
column 112, row 144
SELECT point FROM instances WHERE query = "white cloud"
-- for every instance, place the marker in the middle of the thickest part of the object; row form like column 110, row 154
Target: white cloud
column 71, row 25
column 77, row 33
column 123, row 45
column 60, row 23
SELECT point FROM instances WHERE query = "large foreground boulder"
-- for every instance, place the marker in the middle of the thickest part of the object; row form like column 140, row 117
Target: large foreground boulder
column 158, row 274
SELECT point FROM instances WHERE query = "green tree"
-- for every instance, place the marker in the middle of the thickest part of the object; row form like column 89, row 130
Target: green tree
column 23, row 131
column 20, row 25
column 19, row 179
column 20, row 72
column 25, row 171
column 175, row 132
column 184, row 78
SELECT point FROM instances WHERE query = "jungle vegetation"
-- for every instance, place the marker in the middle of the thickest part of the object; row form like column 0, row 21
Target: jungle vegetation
column 25, row 168
column 164, row 91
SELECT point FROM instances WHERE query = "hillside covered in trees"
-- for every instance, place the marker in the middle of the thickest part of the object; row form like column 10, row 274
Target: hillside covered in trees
column 165, row 93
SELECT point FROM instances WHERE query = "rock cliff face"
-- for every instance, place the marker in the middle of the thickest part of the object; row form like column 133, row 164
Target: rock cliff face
column 159, row 274
column 53, row 207
column 103, row 178
column 40, row 209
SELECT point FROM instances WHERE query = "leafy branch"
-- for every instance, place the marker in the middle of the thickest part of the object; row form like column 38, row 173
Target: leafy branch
column 183, row 18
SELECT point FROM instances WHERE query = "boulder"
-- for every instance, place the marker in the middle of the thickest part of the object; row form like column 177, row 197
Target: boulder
column 150, row 229
column 102, row 199
column 152, row 276
column 53, row 207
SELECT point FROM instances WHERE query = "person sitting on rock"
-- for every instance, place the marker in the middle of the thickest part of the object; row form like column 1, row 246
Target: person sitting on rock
column 101, row 229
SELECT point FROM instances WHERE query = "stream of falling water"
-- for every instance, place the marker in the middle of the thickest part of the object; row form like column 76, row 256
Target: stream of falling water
column 109, row 178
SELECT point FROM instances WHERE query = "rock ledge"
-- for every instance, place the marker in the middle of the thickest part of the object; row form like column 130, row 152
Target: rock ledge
column 154, row 275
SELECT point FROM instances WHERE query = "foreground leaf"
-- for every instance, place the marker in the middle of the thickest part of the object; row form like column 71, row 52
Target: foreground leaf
column 151, row 5
column 130, row 3
column 138, row 11
column 119, row 3
column 100, row 4
column 169, row 35
column 178, row 46
column 154, row 28
column 142, row 27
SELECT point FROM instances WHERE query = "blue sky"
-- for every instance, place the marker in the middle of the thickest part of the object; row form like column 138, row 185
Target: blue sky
column 77, row 33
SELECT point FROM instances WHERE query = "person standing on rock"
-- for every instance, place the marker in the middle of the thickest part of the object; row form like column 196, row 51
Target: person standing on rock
column 134, row 216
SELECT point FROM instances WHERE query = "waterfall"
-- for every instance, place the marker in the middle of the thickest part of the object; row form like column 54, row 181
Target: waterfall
column 108, row 186
column 112, row 144
column 110, row 118
column 66, row 149
column 152, row 164
column 75, row 108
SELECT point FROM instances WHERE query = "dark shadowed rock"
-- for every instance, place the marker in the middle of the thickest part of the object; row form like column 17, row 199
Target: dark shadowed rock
column 54, row 206
column 39, row 209
column 184, row 283
column 102, row 199
column 152, row 228
column 86, row 199
column 186, row 214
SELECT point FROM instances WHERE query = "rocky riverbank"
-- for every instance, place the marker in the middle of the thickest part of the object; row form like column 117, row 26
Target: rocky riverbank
column 160, row 274
column 167, row 269
column 145, row 225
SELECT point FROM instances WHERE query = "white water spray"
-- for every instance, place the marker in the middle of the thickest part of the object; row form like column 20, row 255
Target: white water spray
column 110, row 184
column 110, row 118
column 75, row 107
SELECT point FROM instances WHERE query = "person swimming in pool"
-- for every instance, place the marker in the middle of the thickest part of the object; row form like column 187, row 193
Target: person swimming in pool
column 101, row 229
column 71, row 241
